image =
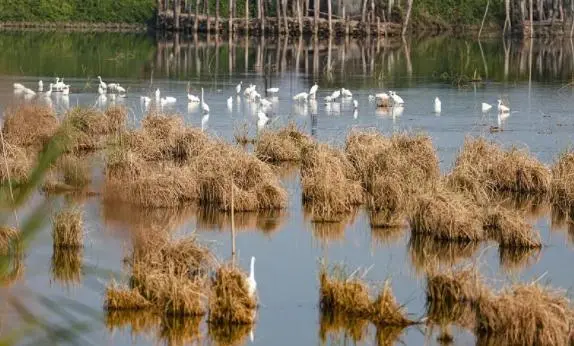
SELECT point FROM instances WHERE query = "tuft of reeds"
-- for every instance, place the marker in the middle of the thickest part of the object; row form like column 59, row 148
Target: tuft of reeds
column 116, row 117
column 75, row 171
column 241, row 136
column 66, row 265
column 501, row 171
column 124, row 298
column 453, row 286
column 428, row 254
column 282, row 145
column 180, row 296
column 526, row 314
column 562, row 187
column 7, row 237
column 67, row 229
column 510, row 230
column 229, row 299
column 17, row 162
column 386, row 310
column 340, row 293
column 446, row 215
column 29, row 125
column 329, row 183
column 224, row 170
column 85, row 127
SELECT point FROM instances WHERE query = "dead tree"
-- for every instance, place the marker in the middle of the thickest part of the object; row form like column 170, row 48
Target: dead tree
column 316, row 11
column 407, row 17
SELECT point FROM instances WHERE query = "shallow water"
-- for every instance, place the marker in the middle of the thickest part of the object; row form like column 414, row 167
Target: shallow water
column 532, row 77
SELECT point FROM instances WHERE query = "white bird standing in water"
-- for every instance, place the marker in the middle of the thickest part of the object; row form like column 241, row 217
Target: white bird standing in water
column 301, row 97
column 18, row 87
column 397, row 100
column 346, row 92
column 49, row 92
column 437, row 105
column 273, row 90
column 313, row 91
column 66, row 90
column 502, row 108
column 101, row 90
column 157, row 94
column 40, row 85
column 102, row 84
column 238, row 88
column 193, row 98
column 486, row 107
column 204, row 105
column 356, row 103
column 251, row 283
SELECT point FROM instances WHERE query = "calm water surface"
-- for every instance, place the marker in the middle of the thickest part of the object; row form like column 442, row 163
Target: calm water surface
column 533, row 76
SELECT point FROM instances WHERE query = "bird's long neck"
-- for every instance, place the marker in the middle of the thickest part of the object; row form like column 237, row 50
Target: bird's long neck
column 252, row 272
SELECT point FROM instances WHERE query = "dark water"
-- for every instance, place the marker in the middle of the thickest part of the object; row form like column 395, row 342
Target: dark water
column 533, row 76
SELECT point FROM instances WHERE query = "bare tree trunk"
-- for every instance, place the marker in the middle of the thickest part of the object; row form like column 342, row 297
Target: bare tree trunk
column 278, row 14
column 484, row 17
column 330, row 14
column 339, row 7
column 230, row 18
column 176, row 10
column 207, row 16
column 159, row 9
column 196, row 22
column 258, row 9
column 217, row 16
column 541, row 10
column 299, row 16
column 246, row 17
column 531, row 19
column 407, row 17
column 507, row 19
column 364, row 11
column 264, row 13
column 316, row 9
column 285, row 17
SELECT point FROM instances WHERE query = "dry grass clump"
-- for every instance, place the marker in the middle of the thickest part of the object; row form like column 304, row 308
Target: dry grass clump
column 7, row 236
column 452, row 286
column 29, row 125
column 282, row 145
column 165, row 138
column 386, row 310
column 446, row 215
column 66, row 265
column 13, row 269
column 428, row 254
column 241, row 136
column 116, row 117
column 392, row 170
column 75, row 171
column 329, row 183
column 123, row 298
column 86, row 127
column 562, row 187
column 19, row 161
column 180, row 296
column 501, row 171
column 510, row 229
column 223, row 168
column 340, row 293
column 229, row 300
column 67, row 229
column 526, row 314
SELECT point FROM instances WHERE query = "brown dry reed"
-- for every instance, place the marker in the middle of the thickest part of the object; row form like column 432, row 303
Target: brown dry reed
column 562, row 187
column 66, row 264
column 330, row 186
column 446, row 215
column 386, row 310
column 75, row 171
column 452, row 286
column 497, row 170
column 229, row 300
column 510, row 229
column 340, row 293
column 8, row 235
column 282, row 145
column 17, row 163
column 67, row 228
column 29, row 125
column 526, row 314
column 124, row 298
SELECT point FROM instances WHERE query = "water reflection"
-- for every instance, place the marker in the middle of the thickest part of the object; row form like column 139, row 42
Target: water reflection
column 67, row 265
column 428, row 254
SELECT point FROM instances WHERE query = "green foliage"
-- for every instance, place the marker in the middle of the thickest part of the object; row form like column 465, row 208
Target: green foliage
column 107, row 11
column 458, row 12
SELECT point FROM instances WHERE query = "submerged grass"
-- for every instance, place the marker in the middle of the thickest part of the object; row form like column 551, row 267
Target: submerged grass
column 526, row 314
column 124, row 298
column 67, row 229
column 282, row 145
column 509, row 228
column 330, row 189
column 229, row 299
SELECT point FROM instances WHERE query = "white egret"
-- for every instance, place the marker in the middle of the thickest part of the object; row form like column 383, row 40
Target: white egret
column 437, row 105
column 383, row 100
column 101, row 90
column 18, row 86
column 486, row 107
column 335, row 95
column 301, row 97
column 204, row 106
column 328, row 99
column 157, row 94
column 40, row 85
column 265, row 103
column 346, row 92
column 355, row 113
column 66, row 90
column 113, row 86
column 372, row 98
column 29, row 92
column 273, row 90
column 397, row 100
column 120, row 89
column 502, row 108
column 49, row 92
column 102, row 84
column 170, row 99
column 355, row 103
column 146, row 100
column 193, row 98
column 313, row 90
column 238, row 88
